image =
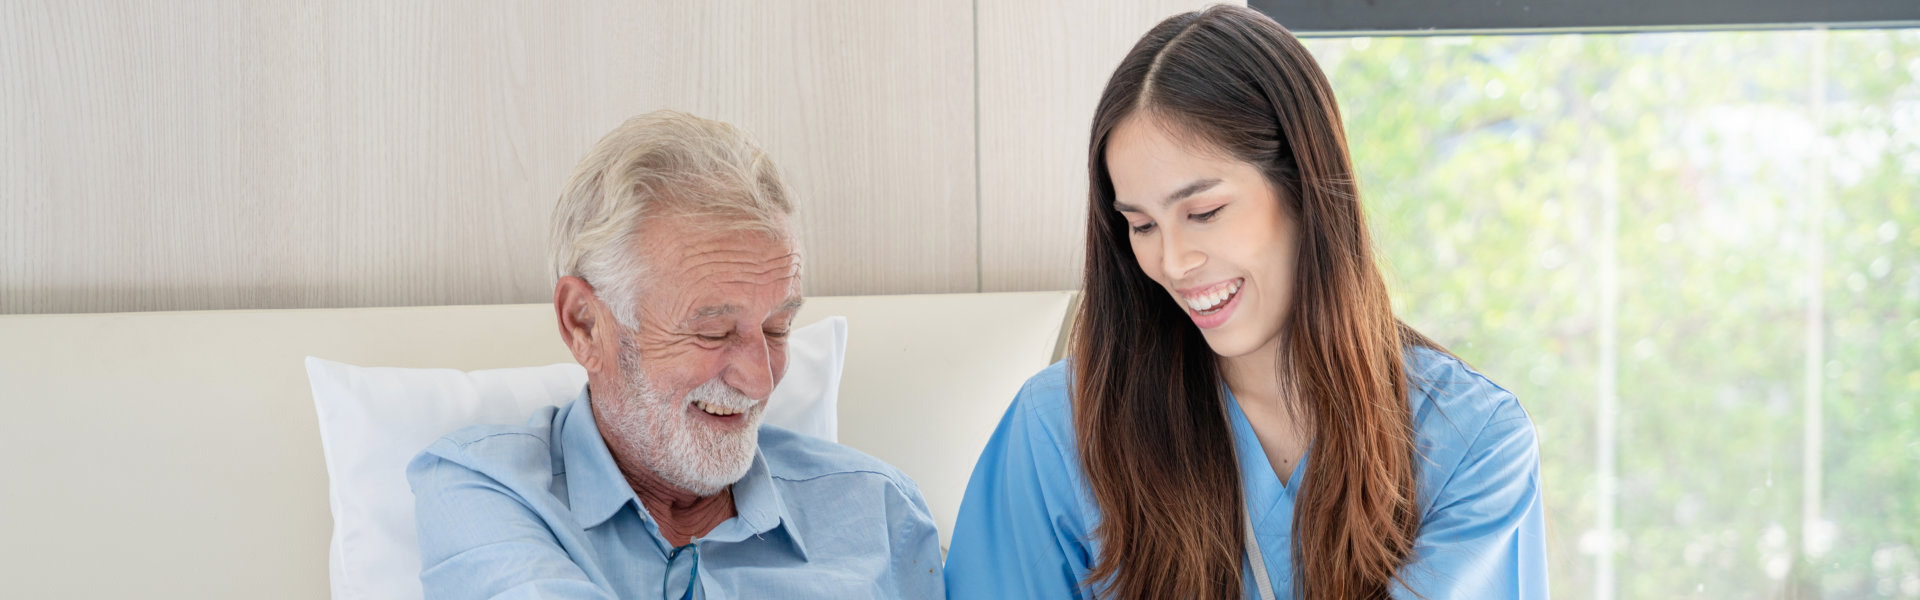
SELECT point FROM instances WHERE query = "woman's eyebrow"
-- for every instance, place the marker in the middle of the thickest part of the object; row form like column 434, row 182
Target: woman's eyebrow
column 1182, row 194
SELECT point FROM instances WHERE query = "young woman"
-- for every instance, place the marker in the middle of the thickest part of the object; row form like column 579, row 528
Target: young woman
column 1243, row 415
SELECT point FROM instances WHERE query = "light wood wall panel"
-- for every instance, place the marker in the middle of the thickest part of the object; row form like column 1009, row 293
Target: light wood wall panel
column 1042, row 66
column 127, row 182
column 868, row 108
column 207, row 155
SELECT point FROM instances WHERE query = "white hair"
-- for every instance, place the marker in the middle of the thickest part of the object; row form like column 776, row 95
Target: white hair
column 660, row 163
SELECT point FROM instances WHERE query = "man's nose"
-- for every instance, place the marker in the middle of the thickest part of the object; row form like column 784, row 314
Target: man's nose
column 750, row 369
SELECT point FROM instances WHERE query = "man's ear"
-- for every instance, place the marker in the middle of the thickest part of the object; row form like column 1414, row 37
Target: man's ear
column 586, row 325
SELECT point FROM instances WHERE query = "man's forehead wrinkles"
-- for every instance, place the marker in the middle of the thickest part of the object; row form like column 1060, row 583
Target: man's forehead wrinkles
column 732, row 268
column 775, row 268
column 715, row 249
column 757, row 266
column 701, row 250
column 721, row 278
column 788, row 280
column 736, row 279
column 740, row 255
column 787, row 262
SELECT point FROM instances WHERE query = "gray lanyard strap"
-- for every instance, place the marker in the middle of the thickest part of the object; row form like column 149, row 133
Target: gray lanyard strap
column 1260, row 579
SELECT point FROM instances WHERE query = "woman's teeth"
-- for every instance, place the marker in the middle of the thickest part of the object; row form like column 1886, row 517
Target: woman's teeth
column 1212, row 302
column 716, row 410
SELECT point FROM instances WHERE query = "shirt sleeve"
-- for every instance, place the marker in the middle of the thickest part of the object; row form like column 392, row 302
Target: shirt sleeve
column 478, row 539
column 916, row 553
column 1019, row 533
column 1484, row 536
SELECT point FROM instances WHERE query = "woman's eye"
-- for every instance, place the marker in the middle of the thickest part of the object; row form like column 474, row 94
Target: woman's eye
column 1209, row 215
column 1142, row 228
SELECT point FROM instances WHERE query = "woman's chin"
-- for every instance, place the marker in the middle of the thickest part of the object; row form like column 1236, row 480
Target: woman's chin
column 1237, row 340
column 1226, row 344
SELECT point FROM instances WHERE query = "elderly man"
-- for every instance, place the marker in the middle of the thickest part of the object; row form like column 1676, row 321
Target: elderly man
column 678, row 282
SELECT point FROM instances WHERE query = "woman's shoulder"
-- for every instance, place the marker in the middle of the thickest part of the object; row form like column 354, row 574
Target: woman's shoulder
column 1451, row 399
column 1046, row 400
column 1051, row 383
column 1463, row 420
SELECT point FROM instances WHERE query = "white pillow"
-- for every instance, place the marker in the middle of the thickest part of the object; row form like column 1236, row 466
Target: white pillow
column 373, row 420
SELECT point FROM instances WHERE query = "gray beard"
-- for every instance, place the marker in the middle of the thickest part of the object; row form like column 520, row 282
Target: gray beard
column 668, row 439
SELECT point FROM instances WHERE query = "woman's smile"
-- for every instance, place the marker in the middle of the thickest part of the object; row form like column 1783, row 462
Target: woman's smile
column 1211, row 305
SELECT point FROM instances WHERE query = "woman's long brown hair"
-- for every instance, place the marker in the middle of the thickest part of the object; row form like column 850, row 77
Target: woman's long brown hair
column 1153, row 435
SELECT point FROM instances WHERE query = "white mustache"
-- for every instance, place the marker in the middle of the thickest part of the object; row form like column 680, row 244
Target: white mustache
column 718, row 394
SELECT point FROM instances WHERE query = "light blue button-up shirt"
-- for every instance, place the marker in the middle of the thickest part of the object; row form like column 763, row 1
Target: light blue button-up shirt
column 541, row 511
column 1026, row 525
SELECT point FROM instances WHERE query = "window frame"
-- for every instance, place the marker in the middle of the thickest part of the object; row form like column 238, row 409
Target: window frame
column 1338, row 18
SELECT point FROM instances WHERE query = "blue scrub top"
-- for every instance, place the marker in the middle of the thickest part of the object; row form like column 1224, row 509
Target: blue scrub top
column 1026, row 525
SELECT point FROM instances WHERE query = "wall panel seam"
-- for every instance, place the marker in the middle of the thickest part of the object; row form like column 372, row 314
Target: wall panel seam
column 979, row 182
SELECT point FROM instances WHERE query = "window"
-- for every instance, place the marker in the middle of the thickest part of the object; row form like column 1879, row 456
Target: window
column 1695, row 256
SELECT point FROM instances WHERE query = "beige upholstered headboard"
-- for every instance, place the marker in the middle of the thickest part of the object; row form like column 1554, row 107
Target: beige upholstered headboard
column 176, row 455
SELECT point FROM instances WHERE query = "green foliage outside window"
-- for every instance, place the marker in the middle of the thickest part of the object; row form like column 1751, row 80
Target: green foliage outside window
column 1741, row 166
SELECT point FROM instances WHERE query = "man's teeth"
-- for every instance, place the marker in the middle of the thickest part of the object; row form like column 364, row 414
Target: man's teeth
column 716, row 410
column 1215, row 299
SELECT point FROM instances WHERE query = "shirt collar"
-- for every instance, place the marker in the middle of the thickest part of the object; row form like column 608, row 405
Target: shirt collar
column 597, row 490
column 761, row 510
column 1263, row 493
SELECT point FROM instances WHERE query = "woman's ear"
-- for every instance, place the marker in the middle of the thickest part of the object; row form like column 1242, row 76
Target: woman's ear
column 586, row 326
